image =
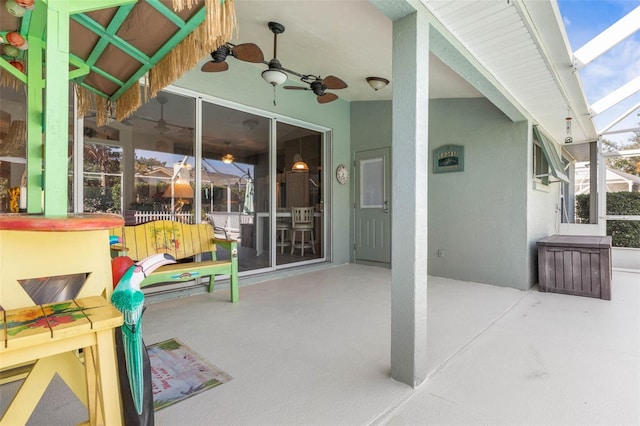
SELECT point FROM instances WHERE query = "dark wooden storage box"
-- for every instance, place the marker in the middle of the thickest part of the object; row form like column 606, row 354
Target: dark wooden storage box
column 575, row 264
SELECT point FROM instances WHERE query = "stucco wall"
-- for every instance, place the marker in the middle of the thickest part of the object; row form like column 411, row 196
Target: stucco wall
column 242, row 84
column 479, row 216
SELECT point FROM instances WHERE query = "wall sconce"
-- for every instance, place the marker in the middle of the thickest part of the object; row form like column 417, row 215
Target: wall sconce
column 14, row 147
column 377, row 83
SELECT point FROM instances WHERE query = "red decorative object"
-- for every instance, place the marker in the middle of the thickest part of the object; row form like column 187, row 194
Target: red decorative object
column 18, row 65
column 25, row 3
column 119, row 266
column 15, row 39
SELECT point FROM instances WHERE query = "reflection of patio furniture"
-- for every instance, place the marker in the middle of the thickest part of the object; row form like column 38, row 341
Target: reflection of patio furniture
column 247, row 235
column 261, row 220
column 283, row 226
column 302, row 221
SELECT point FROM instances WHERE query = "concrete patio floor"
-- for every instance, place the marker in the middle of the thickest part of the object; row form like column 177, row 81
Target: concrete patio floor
column 313, row 349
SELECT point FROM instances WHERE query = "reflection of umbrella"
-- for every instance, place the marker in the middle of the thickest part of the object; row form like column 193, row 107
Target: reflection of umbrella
column 129, row 299
column 248, row 197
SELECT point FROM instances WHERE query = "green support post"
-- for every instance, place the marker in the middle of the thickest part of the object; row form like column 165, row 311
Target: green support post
column 56, row 109
column 34, row 126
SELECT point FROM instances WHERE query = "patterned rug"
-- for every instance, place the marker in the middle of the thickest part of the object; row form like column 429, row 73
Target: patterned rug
column 177, row 372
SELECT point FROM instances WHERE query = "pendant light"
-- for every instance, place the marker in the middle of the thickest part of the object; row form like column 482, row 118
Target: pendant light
column 228, row 157
column 299, row 165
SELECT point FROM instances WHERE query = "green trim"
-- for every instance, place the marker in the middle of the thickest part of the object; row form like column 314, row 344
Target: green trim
column 193, row 23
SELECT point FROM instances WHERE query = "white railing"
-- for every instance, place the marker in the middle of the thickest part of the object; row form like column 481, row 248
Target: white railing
column 227, row 223
column 142, row 217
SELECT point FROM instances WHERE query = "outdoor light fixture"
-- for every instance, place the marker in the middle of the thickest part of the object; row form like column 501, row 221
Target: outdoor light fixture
column 274, row 75
column 299, row 165
column 377, row 83
column 567, row 120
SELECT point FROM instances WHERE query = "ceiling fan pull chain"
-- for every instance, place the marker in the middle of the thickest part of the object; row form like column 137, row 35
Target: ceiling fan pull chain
column 274, row 95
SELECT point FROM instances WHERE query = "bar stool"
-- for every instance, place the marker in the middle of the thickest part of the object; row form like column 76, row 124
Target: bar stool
column 302, row 221
column 283, row 227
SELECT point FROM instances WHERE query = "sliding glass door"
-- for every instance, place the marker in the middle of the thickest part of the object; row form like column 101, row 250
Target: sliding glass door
column 235, row 180
column 190, row 159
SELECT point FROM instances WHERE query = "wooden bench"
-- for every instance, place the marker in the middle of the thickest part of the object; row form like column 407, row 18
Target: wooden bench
column 182, row 241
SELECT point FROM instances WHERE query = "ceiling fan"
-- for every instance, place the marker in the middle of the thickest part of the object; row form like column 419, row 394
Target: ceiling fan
column 319, row 86
column 247, row 52
column 276, row 74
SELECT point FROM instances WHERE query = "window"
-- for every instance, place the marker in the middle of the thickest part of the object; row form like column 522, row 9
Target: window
column 546, row 161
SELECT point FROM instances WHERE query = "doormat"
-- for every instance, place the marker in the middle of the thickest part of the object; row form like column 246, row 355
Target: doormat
column 177, row 373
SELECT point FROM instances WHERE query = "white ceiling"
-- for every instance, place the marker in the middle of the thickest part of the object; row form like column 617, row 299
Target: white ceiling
column 521, row 45
column 349, row 39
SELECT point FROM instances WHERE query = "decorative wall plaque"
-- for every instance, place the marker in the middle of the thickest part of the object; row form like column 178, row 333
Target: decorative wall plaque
column 448, row 158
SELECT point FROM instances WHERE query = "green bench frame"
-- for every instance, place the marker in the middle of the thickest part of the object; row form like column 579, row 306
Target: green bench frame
column 182, row 241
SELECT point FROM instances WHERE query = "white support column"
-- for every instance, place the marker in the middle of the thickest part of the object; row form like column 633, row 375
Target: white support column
column 410, row 168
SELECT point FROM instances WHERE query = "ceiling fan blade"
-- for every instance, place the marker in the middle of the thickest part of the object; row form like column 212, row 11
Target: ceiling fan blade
column 215, row 66
column 248, row 52
column 327, row 97
column 295, row 88
column 332, row 82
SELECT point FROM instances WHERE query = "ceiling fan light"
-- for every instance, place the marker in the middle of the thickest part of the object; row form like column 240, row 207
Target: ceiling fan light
column 227, row 159
column 377, row 83
column 274, row 76
column 300, row 166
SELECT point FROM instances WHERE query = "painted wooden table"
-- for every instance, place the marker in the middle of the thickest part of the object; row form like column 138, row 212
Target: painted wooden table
column 49, row 334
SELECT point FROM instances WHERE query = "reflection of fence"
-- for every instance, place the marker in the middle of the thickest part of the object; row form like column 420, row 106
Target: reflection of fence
column 227, row 223
column 143, row 217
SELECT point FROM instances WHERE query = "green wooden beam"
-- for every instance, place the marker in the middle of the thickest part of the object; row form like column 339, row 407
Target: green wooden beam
column 84, row 6
column 12, row 70
column 94, row 90
column 114, row 26
column 35, row 86
column 37, row 21
column 106, row 75
column 56, row 109
column 167, row 12
column 117, row 41
column 169, row 45
column 82, row 68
